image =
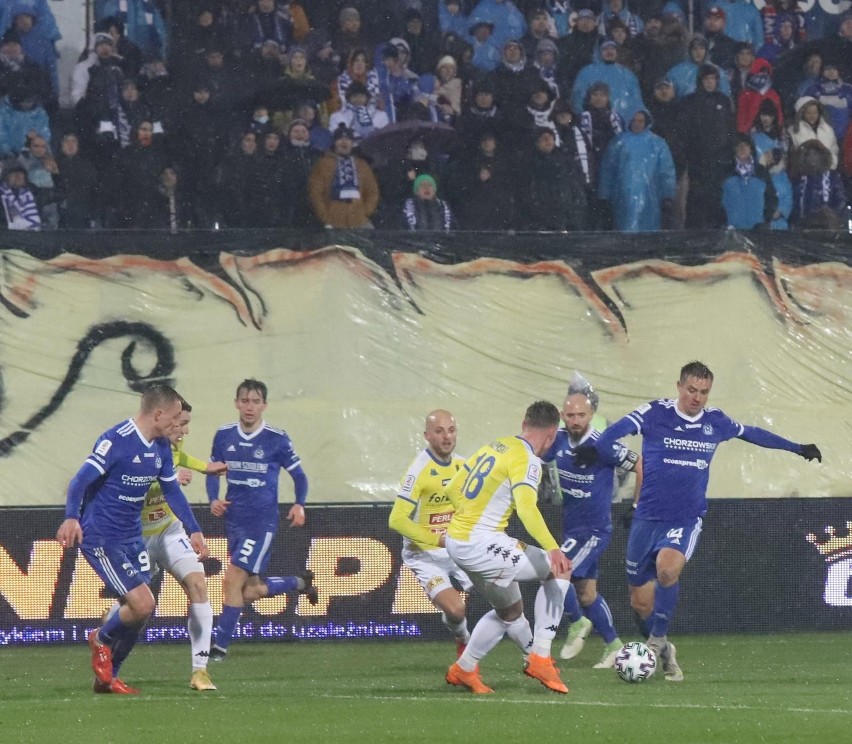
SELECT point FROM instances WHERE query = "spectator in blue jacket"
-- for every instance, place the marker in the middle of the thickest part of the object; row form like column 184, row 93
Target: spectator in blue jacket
column 748, row 195
column 38, row 46
column 835, row 95
column 452, row 18
column 508, row 21
column 743, row 21
column 638, row 176
column 623, row 86
column 818, row 193
column 143, row 23
column 20, row 114
column 770, row 148
column 684, row 75
column 486, row 54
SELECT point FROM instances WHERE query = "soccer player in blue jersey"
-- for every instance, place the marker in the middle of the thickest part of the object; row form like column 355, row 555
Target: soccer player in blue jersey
column 679, row 439
column 586, row 518
column 255, row 453
column 103, row 509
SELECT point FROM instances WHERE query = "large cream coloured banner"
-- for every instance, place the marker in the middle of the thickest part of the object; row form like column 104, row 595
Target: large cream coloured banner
column 355, row 358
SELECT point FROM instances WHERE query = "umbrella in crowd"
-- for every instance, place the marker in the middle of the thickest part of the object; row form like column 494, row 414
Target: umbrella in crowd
column 392, row 142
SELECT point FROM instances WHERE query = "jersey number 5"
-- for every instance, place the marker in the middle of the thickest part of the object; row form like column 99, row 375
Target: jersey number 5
column 473, row 485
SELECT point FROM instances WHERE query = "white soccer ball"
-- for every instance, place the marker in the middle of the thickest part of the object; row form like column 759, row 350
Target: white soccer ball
column 635, row 662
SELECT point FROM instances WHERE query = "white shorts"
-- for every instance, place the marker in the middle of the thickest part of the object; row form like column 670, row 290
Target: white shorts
column 171, row 551
column 433, row 570
column 497, row 562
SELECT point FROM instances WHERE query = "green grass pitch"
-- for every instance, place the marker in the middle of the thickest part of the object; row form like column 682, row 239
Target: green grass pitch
column 746, row 688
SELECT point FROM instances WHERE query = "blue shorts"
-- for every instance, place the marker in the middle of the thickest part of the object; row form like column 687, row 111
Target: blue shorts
column 250, row 550
column 648, row 537
column 585, row 547
column 121, row 566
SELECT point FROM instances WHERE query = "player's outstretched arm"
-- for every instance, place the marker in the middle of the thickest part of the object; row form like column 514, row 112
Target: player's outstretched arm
column 590, row 454
column 810, row 452
column 764, row 438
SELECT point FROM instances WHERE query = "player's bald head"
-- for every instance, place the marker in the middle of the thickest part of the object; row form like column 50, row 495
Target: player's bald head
column 440, row 432
column 439, row 418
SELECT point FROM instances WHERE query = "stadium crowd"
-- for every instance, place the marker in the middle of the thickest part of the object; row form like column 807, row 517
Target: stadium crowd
column 428, row 115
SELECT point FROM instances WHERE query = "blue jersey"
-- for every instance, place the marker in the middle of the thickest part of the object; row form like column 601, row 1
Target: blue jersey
column 126, row 464
column 254, row 464
column 587, row 490
column 676, row 452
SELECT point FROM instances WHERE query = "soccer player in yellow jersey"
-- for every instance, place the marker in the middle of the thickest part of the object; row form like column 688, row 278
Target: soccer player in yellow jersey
column 169, row 548
column 501, row 478
column 421, row 513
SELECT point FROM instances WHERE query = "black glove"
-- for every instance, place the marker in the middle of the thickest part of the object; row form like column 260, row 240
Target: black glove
column 587, row 454
column 627, row 517
column 810, row 452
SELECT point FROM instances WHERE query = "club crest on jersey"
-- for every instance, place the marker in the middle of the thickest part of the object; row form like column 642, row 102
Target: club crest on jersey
column 258, row 453
column 708, row 430
column 158, row 463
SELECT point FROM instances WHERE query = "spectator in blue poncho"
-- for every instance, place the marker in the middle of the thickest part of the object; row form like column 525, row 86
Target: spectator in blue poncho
column 452, row 18
column 770, row 148
column 743, row 21
column 638, row 176
column 142, row 21
column 835, row 94
column 37, row 45
column 684, row 75
column 508, row 21
column 623, row 86
column 20, row 114
column 618, row 9
column 748, row 195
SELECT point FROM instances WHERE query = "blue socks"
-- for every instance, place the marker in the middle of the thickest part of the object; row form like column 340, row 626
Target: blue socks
column 572, row 605
column 276, row 585
column 598, row 612
column 644, row 624
column 665, row 602
column 122, row 644
column 224, row 629
column 111, row 629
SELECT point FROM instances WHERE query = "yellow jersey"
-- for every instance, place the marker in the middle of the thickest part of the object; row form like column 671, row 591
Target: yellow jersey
column 421, row 510
column 156, row 513
column 500, row 478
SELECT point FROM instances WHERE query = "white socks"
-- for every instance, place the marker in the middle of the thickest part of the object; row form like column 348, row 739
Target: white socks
column 487, row 633
column 548, row 612
column 459, row 630
column 200, row 626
